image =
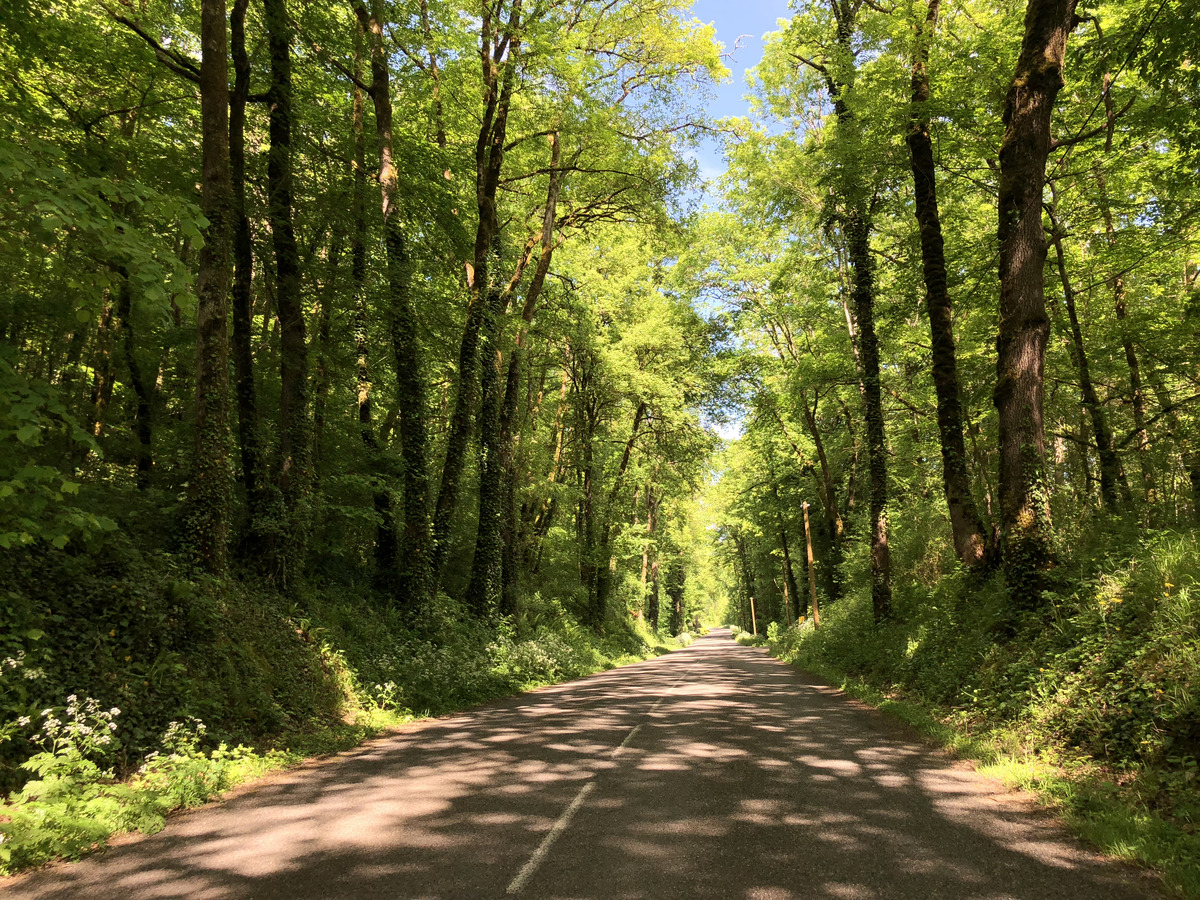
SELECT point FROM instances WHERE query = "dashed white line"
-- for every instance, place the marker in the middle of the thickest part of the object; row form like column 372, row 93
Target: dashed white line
column 628, row 738
column 527, row 871
column 518, row 883
column 674, row 685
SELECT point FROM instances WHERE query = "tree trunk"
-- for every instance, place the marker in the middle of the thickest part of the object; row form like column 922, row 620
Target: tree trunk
column 652, row 502
column 207, row 507
column 603, row 558
column 489, row 160
column 858, row 235
column 748, row 585
column 828, row 491
column 1024, row 327
column 855, row 220
column 587, row 525
column 512, row 387
column 295, row 464
column 1107, row 455
column 102, row 369
column 249, row 441
column 386, row 542
column 1117, row 284
column 676, row 582
column 413, row 583
column 483, row 590
column 970, row 539
column 141, row 420
column 324, row 340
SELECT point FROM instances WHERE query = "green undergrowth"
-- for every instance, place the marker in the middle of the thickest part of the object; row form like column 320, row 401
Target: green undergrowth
column 1091, row 702
column 747, row 638
column 128, row 690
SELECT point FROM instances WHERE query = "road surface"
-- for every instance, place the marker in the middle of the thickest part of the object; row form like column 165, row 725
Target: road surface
column 712, row 772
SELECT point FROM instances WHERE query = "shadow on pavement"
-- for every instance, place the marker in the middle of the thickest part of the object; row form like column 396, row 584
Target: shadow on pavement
column 746, row 779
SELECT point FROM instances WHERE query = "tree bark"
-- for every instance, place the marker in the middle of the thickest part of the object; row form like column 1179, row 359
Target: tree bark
column 413, row 582
column 1024, row 327
column 828, row 490
column 970, row 538
column 249, row 440
column 483, row 590
column 324, row 340
column 676, row 582
column 208, row 496
column 516, row 366
column 855, row 220
column 387, row 545
column 141, row 421
column 748, row 585
column 603, row 555
column 1117, row 284
column 1110, row 467
column 652, row 502
column 102, row 369
column 858, row 235
column 295, row 464
column 489, row 160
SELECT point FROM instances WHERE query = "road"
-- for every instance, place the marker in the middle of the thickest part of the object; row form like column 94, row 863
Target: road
column 712, row 772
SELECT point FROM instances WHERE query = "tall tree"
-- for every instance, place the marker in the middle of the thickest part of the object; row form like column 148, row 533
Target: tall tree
column 241, row 297
column 295, row 464
column 207, row 512
column 414, row 577
column 499, row 56
column 1024, row 326
column 851, row 203
column 970, row 539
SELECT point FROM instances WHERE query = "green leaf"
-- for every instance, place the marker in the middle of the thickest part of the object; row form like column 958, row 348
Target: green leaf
column 27, row 434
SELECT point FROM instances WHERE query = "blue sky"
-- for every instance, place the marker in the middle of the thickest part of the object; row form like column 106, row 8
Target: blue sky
column 750, row 20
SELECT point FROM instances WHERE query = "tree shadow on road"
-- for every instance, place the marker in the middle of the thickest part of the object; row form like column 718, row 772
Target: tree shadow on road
column 746, row 779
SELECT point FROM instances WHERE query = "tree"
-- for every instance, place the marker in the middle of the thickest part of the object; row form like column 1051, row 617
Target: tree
column 209, row 484
column 970, row 541
column 1024, row 326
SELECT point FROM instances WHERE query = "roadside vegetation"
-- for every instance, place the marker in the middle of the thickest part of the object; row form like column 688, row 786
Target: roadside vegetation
column 1088, row 705
column 207, row 684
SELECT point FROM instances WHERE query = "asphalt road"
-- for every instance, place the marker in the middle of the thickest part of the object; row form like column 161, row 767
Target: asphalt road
column 712, row 772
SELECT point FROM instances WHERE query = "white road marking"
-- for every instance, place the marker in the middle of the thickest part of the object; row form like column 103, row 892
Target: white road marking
column 628, row 738
column 527, row 871
column 518, row 884
column 674, row 685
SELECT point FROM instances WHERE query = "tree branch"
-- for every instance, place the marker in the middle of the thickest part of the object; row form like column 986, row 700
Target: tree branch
column 172, row 59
